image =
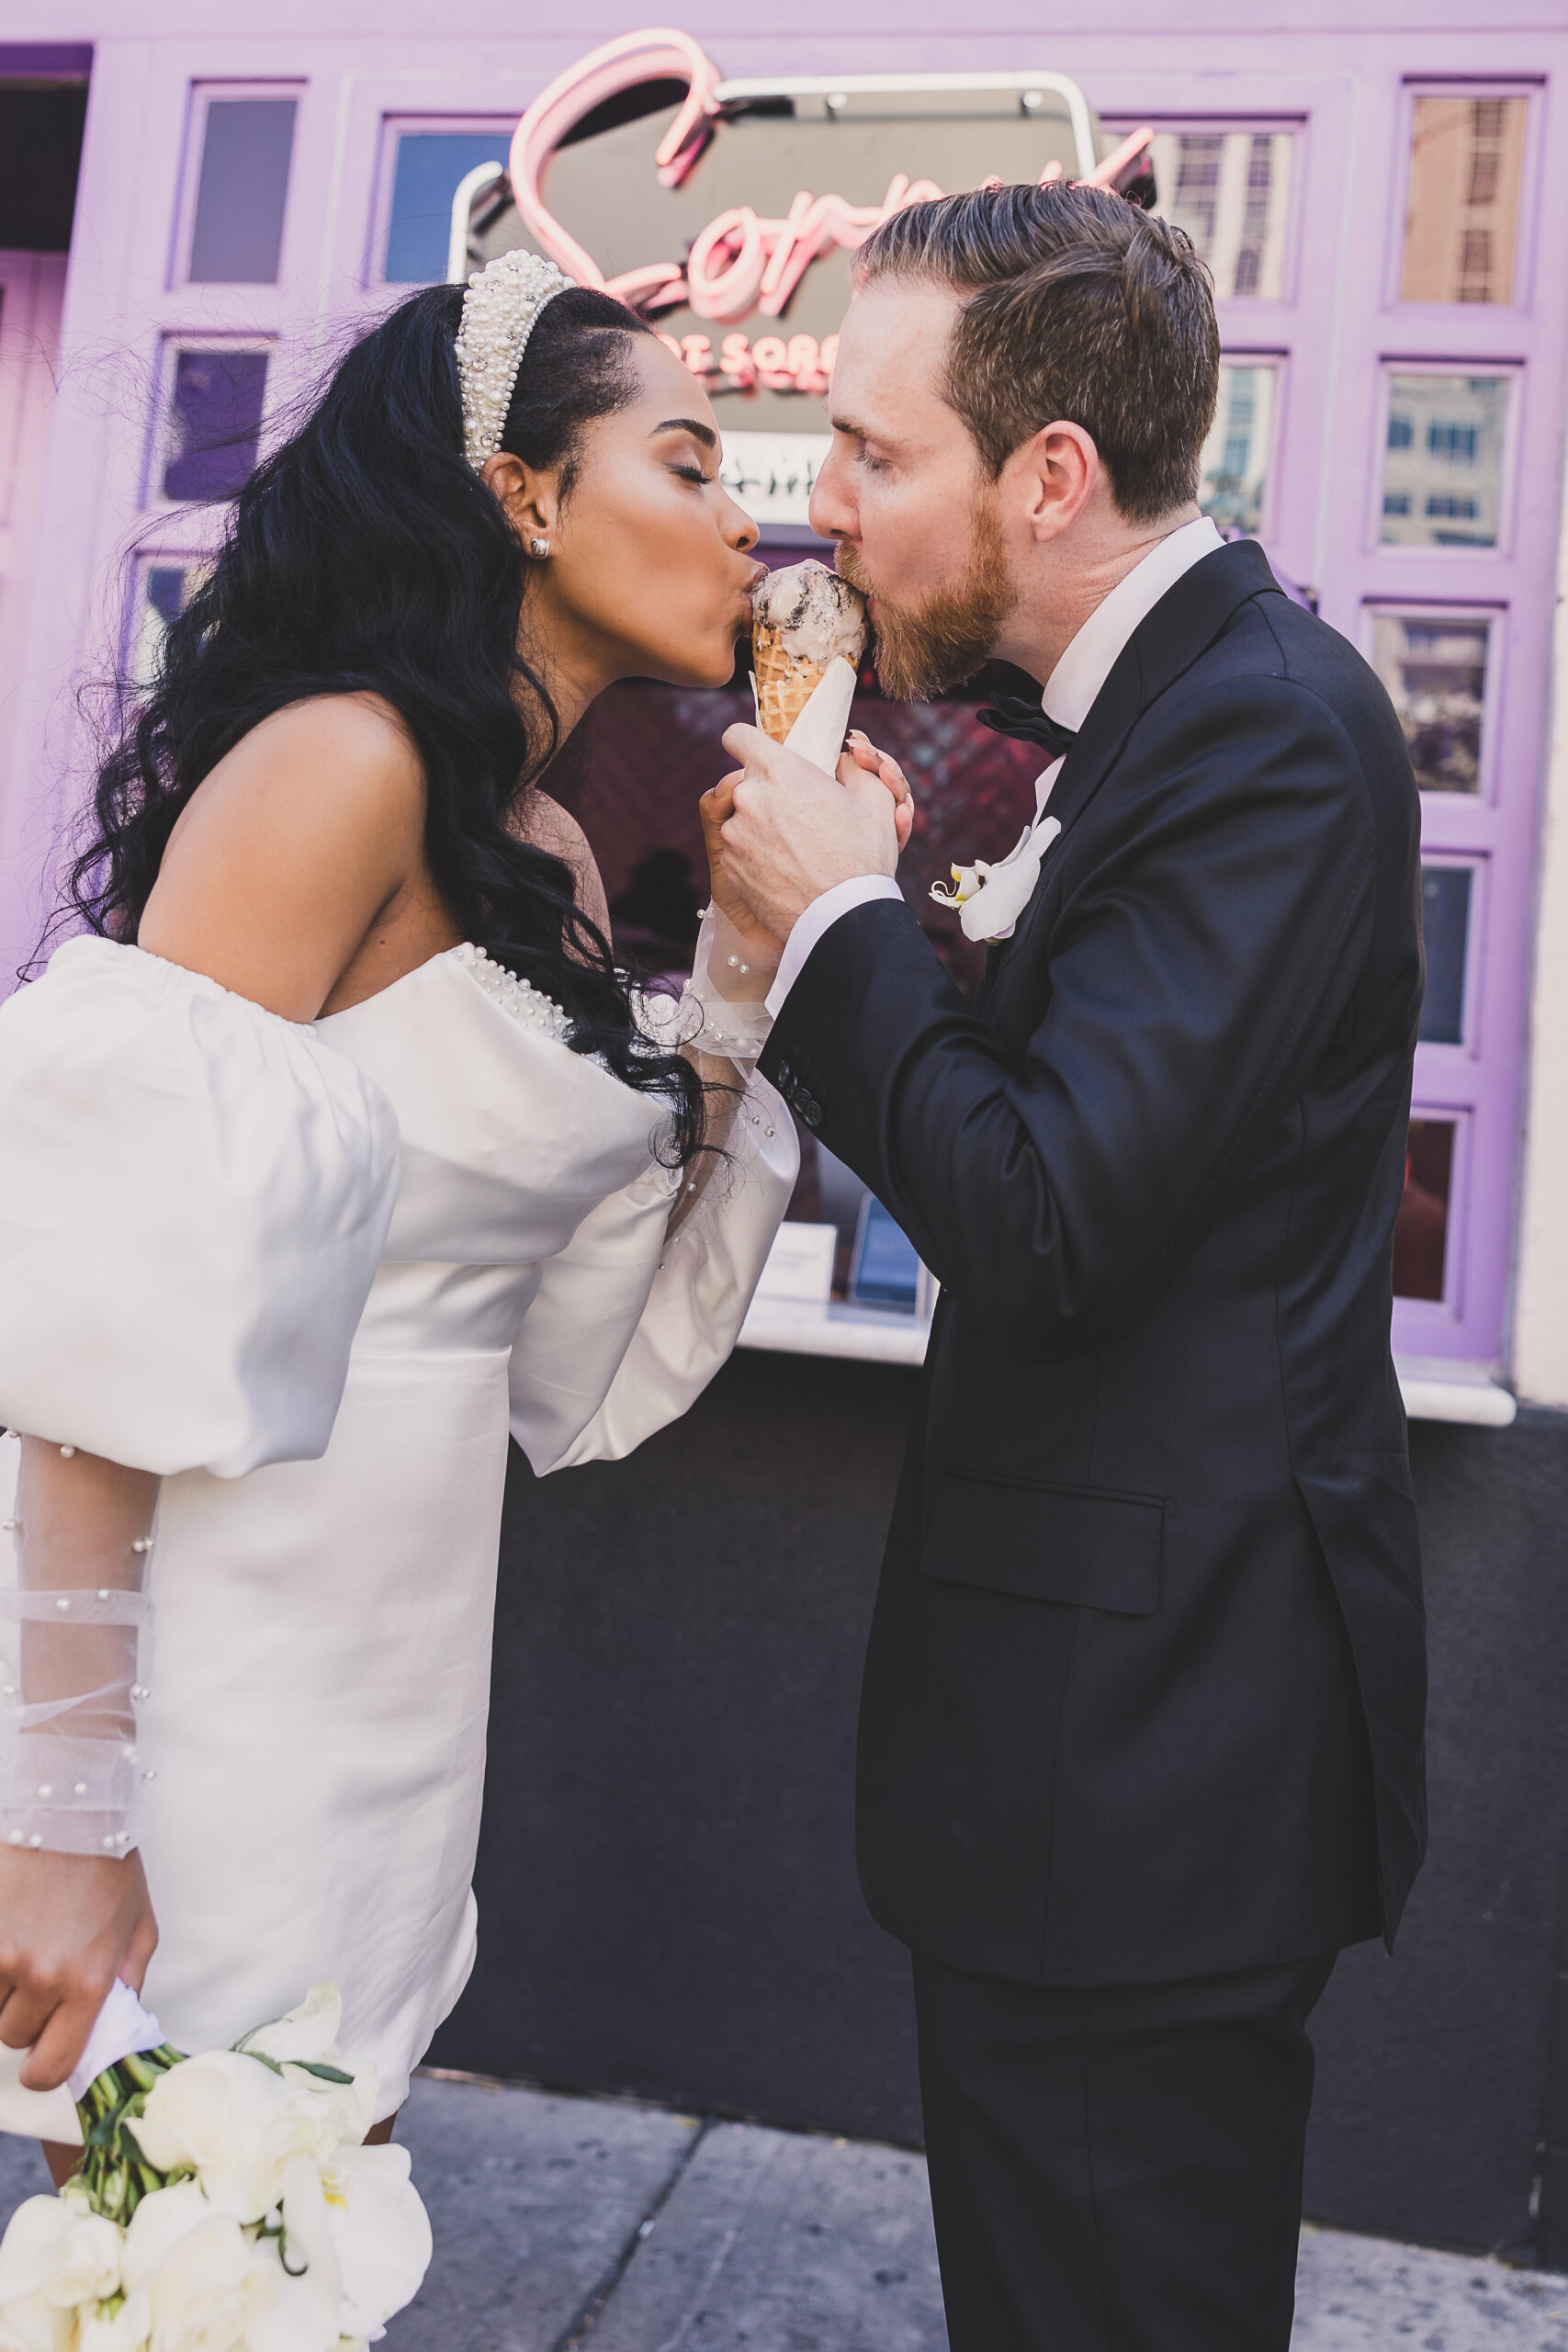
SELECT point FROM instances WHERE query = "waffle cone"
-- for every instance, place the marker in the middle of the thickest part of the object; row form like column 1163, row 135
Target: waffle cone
column 784, row 683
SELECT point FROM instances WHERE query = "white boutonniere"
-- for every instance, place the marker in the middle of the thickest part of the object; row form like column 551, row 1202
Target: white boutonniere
column 989, row 898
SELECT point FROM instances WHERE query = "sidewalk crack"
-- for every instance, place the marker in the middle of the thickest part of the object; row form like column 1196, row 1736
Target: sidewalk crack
column 589, row 2311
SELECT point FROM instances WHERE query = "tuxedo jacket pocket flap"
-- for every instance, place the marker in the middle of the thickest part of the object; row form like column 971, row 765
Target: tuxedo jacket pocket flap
column 1079, row 1546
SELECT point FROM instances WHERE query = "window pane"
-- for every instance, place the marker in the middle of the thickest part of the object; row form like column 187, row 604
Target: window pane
column 1462, row 220
column 244, row 182
column 1445, row 921
column 163, row 591
column 1443, row 464
column 430, row 166
column 1420, row 1236
column 215, row 422
column 1231, row 191
column 1435, row 671
column 1235, row 456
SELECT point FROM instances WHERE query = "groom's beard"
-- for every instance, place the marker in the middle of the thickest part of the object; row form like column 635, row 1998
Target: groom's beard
column 948, row 635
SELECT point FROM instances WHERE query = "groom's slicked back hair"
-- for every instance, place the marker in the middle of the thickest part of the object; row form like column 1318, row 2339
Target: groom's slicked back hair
column 1079, row 307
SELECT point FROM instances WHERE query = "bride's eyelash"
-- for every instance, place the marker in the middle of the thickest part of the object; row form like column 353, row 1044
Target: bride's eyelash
column 694, row 473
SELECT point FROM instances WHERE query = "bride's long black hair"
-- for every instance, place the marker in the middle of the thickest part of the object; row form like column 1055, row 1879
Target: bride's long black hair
column 366, row 555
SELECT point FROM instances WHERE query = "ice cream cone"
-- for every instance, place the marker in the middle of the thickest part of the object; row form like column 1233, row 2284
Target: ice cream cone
column 784, row 683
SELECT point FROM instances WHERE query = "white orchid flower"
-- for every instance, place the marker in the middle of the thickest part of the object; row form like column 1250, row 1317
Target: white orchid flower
column 309, row 2032
column 31, row 2324
column 121, row 2331
column 307, row 2313
column 967, row 883
column 382, row 2234
column 57, row 2248
column 307, row 2037
column 194, row 2281
column 237, row 2125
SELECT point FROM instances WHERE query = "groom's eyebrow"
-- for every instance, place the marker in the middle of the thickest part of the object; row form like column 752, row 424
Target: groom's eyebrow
column 702, row 433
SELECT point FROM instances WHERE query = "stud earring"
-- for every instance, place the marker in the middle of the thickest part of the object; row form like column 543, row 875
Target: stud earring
column 539, row 547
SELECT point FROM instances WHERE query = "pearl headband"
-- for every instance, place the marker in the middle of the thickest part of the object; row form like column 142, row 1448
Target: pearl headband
column 501, row 309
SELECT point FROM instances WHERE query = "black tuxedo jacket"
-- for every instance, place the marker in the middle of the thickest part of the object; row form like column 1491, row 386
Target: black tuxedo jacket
column 1145, row 1687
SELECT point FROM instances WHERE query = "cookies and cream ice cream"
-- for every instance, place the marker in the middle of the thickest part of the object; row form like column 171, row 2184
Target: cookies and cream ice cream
column 804, row 619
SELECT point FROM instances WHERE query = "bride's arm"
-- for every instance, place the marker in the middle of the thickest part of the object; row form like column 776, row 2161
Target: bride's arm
column 74, row 1916
column 745, row 964
column 274, row 883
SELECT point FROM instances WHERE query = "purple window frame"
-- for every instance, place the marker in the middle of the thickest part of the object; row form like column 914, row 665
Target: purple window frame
column 1342, row 330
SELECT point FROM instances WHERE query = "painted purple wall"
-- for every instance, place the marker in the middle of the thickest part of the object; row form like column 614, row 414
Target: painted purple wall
column 1342, row 78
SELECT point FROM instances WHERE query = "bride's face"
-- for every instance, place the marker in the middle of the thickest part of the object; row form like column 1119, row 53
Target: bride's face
column 649, row 573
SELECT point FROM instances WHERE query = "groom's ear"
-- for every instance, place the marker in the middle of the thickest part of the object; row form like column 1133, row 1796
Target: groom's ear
column 1050, row 479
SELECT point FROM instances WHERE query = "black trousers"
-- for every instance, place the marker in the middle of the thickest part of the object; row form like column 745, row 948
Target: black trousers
column 1118, row 2170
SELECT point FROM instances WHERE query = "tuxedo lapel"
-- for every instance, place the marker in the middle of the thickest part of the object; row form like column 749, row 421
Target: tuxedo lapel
column 1168, row 640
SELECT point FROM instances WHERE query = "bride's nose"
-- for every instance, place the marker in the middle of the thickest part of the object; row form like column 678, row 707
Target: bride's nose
column 739, row 531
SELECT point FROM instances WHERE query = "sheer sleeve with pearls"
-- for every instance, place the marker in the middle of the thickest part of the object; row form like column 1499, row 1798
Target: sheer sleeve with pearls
column 194, row 1194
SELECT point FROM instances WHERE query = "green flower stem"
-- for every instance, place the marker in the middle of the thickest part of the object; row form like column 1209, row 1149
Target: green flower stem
column 114, row 2172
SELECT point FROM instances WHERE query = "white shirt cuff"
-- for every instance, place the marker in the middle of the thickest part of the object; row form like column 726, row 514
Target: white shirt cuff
column 859, row 891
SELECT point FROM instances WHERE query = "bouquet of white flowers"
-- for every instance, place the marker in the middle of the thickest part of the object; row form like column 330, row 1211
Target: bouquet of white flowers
column 225, row 2202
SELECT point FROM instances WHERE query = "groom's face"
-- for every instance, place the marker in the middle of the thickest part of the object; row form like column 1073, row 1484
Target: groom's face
column 905, row 495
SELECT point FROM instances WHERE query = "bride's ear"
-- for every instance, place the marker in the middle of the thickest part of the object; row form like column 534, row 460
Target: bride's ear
column 528, row 499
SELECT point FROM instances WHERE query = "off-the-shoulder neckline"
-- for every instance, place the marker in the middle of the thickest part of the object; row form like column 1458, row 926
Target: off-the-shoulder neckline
column 205, row 984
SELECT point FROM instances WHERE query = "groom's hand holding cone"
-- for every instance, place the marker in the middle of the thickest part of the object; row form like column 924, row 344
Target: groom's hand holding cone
column 790, row 833
column 784, row 829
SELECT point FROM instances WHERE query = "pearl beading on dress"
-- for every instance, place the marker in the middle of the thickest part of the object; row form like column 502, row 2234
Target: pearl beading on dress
column 501, row 309
column 525, row 1003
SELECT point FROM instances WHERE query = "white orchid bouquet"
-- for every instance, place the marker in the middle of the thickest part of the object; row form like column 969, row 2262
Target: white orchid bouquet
column 225, row 2202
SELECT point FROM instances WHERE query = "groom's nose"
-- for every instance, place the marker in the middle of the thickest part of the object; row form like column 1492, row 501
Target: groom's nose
column 832, row 511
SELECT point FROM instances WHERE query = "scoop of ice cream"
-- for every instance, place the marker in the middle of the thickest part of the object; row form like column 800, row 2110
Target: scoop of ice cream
column 816, row 615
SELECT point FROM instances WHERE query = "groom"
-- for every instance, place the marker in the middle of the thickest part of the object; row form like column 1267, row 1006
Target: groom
column 1141, row 1740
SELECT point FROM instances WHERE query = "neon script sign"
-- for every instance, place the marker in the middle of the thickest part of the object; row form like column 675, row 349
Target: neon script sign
column 742, row 261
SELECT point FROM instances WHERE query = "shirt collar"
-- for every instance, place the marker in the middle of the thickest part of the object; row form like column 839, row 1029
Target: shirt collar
column 1091, row 655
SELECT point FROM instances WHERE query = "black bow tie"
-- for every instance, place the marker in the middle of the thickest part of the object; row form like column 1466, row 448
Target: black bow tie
column 1009, row 715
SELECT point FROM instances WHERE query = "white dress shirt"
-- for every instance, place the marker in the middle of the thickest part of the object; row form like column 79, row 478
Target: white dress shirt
column 1069, row 697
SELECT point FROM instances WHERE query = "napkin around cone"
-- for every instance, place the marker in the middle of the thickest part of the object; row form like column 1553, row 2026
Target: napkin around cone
column 818, row 733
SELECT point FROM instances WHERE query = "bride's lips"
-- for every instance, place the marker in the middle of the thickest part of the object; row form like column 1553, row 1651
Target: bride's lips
column 747, row 619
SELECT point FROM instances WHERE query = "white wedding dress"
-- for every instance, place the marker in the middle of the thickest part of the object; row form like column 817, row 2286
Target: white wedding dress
column 310, row 1274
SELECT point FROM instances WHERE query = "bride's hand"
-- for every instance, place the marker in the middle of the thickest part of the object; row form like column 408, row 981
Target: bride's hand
column 714, row 807
column 69, row 1925
column 859, row 755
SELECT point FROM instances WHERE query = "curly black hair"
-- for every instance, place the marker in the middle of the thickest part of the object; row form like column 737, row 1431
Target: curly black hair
column 365, row 555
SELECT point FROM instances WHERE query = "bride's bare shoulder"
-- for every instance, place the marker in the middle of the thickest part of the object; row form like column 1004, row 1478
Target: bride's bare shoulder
column 291, row 848
column 360, row 736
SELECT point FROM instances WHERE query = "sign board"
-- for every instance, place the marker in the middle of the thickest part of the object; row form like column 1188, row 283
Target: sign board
column 726, row 210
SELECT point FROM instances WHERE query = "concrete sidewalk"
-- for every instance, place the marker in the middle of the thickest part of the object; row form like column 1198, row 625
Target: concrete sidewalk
column 594, row 2225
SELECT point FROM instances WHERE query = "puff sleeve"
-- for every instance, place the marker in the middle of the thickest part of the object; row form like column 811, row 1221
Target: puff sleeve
column 194, row 1197
column 628, row 1325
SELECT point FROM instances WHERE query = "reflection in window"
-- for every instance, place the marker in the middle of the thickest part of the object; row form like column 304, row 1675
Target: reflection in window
column 245, row 154
column 429, row 167
column 1443, row 461
column 1463, row 217
column 1235, row 456
column 164, row 587
column 215, row 418
column 1231, row 191
column 1421, row 1233
column 1435, row 671
column 1445, row 923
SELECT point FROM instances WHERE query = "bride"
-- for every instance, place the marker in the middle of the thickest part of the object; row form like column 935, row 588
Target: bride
column 337, row 1143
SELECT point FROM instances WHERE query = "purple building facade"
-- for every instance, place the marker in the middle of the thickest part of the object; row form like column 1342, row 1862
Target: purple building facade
column 1380, row 193
column 1376, row 200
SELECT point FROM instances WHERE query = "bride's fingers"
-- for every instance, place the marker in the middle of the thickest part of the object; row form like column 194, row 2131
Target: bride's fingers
column 58, row 2046
column 27, row 2010
column 720, row 799
column 880, row 764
